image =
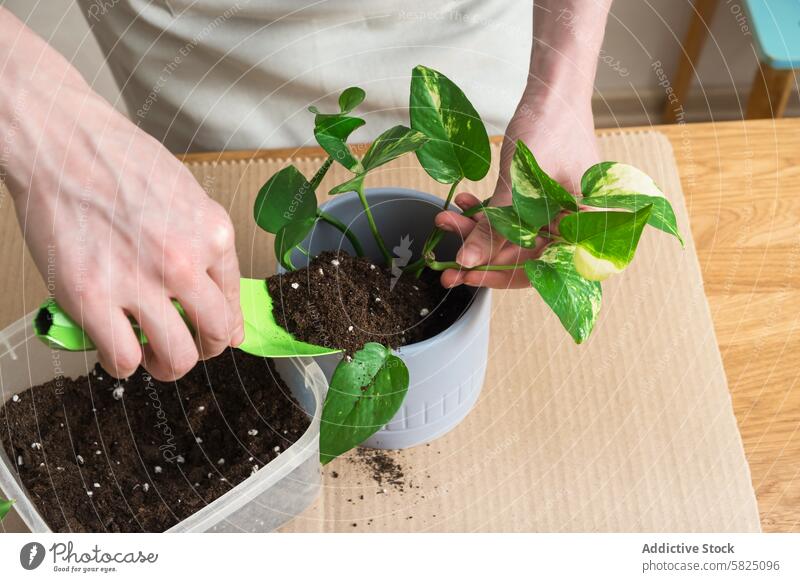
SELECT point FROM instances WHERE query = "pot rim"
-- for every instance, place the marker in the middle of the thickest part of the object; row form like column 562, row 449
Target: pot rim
column 482, row 294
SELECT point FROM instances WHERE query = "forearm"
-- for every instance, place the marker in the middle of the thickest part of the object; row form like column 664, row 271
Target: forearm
column 568, row 36
column 42, row 97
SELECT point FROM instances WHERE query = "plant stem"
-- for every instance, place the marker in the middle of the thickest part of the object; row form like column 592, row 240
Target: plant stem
column 434, row 238
column 451, row 193
column 372, row 226
column 323, row 169
column 441, row 266
column 339, row 225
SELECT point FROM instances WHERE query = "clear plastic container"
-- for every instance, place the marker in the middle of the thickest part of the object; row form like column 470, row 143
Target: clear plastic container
column 279, row 491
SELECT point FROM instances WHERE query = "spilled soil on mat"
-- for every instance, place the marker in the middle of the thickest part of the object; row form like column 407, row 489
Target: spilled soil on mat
column 343, row 302
column 97, row 454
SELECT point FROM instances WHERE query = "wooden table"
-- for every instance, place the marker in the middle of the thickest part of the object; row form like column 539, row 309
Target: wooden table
column 742, row 186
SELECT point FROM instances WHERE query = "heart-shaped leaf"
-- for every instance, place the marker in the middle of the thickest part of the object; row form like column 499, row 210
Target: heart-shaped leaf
column 289, row 236
column 536, row 196
column 575, row 300
column 5, row 507
column 287, row 196
column 507, row 222
column 365, row 393
column 392, row 144
column 611, row 236
column 530, row 198
column 615, row 185
column 332, row 133
column 351, row 98
column 459, row 145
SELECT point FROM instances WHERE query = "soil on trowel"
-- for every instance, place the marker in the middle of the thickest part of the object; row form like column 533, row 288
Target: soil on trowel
column 97, row 454
column 343, row 302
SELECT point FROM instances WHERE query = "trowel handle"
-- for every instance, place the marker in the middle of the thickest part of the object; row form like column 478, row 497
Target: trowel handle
column 55, row 328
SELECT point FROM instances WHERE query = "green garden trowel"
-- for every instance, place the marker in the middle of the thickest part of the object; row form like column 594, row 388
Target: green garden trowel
column 262, row 334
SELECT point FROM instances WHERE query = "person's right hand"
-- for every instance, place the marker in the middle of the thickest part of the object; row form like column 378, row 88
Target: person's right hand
column 119, row 227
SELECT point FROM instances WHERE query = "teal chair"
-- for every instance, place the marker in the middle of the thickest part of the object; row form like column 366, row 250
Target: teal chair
column 774, row 26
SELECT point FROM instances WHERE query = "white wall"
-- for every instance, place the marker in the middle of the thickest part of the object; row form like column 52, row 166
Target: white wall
column 639, row 32
column 642, row 31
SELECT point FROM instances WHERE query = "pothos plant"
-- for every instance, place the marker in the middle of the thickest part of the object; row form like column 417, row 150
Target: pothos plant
column 451, row 144
column 5, row 507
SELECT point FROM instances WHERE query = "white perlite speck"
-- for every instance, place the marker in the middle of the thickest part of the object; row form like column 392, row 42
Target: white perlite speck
column 221, row 462
column 15, row 398
column 377, row 300
column 335, row 262
column 198, row 440
column 295, row 285
column 146, row 487
column 180, row 459
column 252, row 432
column 89, row 493
column 97, row 485
column 19, row 460
column 277, row 449
column 157, row 469
column 201, row 408
column 80, row 459
column 424, row 311
column 118, row 393
column 321, row 272
column 98, row 452
column 255, row 470
column 36, row 446
column 350, row 328
column 371, row 267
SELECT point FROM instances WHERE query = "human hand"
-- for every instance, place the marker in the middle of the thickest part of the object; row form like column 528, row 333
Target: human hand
column 119, row 227
column 563, row 140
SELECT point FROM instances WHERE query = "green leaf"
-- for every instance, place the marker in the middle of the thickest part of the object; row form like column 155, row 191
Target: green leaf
column 351, row 185
column 289, row 236
column 615, row 185
column 536, row 196
column 392, row 144
column 364, row 395
column 575, row 300
column 507, row 222
column 351, row 98
column 459, row 145
column 287, row 196
column 5, row 507
column 611, row 236
column 332, row 133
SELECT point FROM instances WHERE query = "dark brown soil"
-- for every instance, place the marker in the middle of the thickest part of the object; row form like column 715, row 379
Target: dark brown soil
column 381, row 467
column 340, row 301
column 141, row 455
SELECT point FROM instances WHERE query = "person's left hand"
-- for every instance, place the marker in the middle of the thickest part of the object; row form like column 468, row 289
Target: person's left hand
column 562, row 139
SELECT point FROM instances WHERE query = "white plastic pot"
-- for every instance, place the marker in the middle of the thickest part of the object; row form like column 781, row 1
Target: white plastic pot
column 446, row 371
column 279, row 491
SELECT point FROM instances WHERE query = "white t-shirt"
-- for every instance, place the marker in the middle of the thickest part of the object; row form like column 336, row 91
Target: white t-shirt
column 204, row 75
